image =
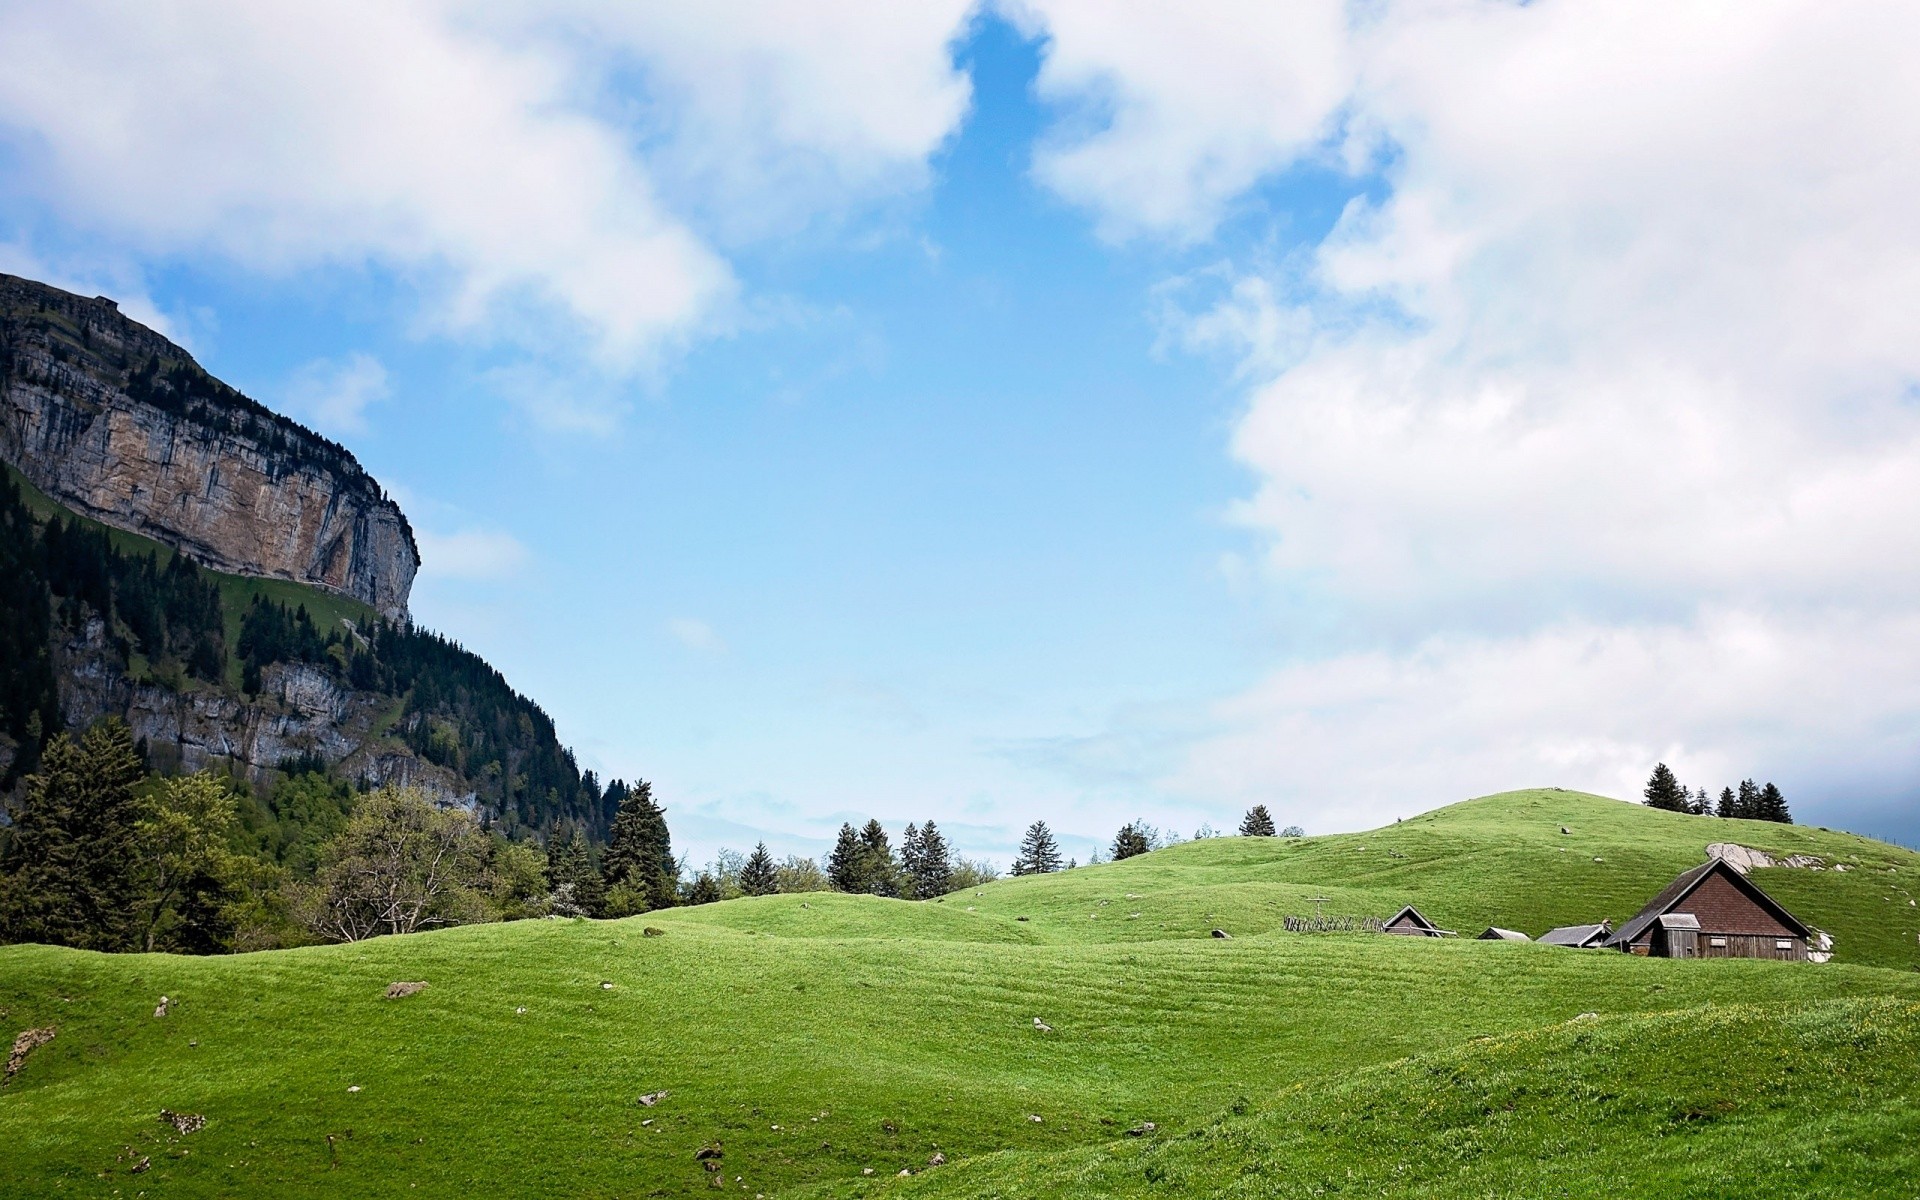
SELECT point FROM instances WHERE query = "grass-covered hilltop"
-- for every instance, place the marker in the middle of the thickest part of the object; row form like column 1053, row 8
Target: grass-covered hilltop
column 822, row 1044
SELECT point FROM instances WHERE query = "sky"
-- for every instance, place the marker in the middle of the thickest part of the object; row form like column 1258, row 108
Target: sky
column 1046, row 409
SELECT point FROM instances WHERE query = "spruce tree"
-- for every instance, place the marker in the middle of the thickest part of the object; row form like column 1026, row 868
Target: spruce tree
column 1257, row 823
column 705, row 890
column 577, row 889
column 933, row 872
column 1039, row 853
column 845, row 868
column 640, row 849
column 1729, row 805
column 1773, row 806
column 879, row 871
column 912, row 847
column 1132, row 840
column 76, row 844
column 1748, row 805
column 1664, row 791
column 758, row 877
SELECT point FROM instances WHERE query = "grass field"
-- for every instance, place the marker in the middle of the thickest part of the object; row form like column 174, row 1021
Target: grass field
column 819, row 1037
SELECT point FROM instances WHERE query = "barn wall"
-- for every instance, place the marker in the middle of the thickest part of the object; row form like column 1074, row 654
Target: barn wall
column 1752, row 946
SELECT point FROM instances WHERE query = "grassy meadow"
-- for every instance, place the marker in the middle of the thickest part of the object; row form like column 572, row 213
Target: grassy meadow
column 816, row 1038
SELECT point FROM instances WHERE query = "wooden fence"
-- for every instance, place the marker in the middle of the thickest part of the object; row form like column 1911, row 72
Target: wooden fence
column 1335, row 924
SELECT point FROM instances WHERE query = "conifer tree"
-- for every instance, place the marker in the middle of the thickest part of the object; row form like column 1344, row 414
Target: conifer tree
column 705, row 890
column 932, row 872
column 757, row 877
column 640, row 849
column 1748, row 805
column 577, row 889
column 880, row 873
column 844, row 865
column 911, row 848
column 76, row 845
column 1664, row 791
column 1132, row 840
column 1729, row 805
column 1257, row 823
column 1039, row 853
column 1773, row 806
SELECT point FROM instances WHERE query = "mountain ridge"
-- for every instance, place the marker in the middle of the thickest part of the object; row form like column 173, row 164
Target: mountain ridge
column 121, row 425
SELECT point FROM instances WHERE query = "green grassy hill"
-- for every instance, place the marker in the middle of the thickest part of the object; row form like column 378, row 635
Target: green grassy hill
column 819, row 1037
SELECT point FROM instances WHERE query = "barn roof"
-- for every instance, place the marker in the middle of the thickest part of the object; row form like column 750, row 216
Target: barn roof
column 1574, row 935
column 1496, row 934
column 1683, row 886
column 1419, row 920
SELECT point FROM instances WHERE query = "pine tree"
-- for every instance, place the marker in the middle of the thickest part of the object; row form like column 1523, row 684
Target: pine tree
column 1664, row 791
column 845, row 869
column 1747, row 806
column 640, row 849
column 1039, row 853
column 758, row 878
column 912, row 848
column 1257, row 823
column 933, row 874
column 1729, row 806
column 77, row 845
column 1773, row 806
column 705, row 890
column 1132, row 840
column 1702, row 805
column 577, row 889
column 880, row 873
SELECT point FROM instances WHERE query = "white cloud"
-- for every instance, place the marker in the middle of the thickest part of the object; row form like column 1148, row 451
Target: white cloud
column 478, row 554
column 334, row 394
column 1178, row 111
column 695, row 634
column 1626, row 347
column 1823, row 704
column 505, row 161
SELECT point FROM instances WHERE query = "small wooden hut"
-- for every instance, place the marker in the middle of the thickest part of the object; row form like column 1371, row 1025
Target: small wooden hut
column 1409, row 923
column 1713, row 911
column 1580, row 937
column 1496, row 934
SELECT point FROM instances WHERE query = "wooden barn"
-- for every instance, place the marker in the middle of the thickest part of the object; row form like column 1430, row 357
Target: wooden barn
column 1713, row 911
column 1409, row 923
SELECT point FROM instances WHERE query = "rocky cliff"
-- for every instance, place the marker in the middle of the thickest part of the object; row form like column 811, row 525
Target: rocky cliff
column 121, row 425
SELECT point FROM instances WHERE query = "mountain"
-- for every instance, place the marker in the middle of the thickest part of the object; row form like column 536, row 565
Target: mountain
column 119, row 424
column 231, row 584
column 823, row 1044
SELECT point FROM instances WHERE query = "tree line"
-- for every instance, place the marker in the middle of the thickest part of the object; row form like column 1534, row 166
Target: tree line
column 60, row 576
column 1749, row 802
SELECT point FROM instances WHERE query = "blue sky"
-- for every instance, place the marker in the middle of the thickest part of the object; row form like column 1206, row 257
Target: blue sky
column 1041, row 410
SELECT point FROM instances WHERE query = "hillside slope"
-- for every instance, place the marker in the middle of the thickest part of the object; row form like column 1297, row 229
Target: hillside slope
column 1812, row 1101
column 818, row 1037
column 1499, row 860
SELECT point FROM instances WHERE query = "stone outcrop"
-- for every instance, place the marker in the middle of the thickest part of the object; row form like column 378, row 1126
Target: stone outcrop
column 119, row 424
column 1746, row 858
column 298, row 713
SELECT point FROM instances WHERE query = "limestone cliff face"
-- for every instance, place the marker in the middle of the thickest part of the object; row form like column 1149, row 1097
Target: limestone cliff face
column 120, row 424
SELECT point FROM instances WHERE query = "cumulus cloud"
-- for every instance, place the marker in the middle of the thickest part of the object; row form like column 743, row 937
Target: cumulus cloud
column 474, row 554
column 1612, row 385
column 334, row 394
column 506, row 161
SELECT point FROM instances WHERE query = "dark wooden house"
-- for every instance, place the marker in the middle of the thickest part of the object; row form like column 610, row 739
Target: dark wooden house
column 1409, row 923
column 1713, row 911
